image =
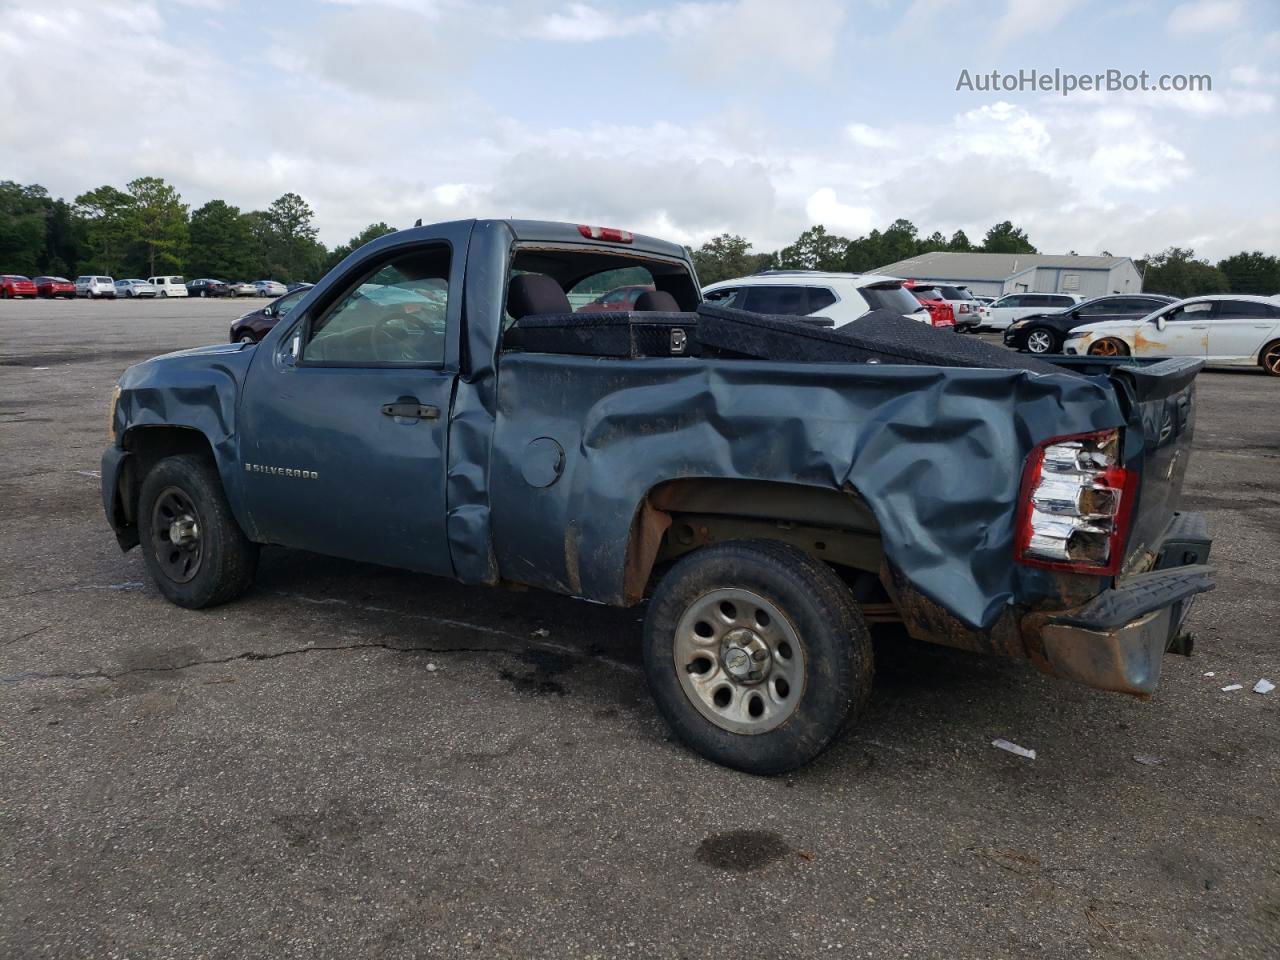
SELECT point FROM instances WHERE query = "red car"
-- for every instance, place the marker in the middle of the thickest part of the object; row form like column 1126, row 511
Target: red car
column 55, row 287
column 941, row 313
column 12, row 285
column 620, row 298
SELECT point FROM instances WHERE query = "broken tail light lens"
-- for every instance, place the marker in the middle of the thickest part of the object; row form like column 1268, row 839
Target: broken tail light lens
column 1075, row 504
column 611, row 234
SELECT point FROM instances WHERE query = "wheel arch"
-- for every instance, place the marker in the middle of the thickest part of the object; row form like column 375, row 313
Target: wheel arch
column 143, row 447
column 1268, row 347
column 676, row 517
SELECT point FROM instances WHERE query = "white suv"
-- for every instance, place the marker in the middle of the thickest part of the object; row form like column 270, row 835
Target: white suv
column 95, row 287
column 1015, row 306
column 169, row 286
column 843, row 297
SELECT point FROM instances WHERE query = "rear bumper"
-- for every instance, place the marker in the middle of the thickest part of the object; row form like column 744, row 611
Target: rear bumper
column 1117, row 641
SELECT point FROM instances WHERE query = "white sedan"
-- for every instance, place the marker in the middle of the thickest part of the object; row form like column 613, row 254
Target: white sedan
column 135, row 288
column 1229, row 331
column 270, row 288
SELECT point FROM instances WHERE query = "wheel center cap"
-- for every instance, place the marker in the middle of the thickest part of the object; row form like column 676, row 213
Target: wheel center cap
column 183, row 531
column 745, row 656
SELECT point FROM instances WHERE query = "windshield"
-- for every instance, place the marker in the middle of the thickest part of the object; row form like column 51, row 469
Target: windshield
column 895, row 298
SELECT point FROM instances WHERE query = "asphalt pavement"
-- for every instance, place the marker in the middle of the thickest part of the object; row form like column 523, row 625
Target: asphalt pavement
column 353, row 761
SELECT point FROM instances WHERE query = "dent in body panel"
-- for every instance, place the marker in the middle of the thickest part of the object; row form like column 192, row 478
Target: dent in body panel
column 937, row 455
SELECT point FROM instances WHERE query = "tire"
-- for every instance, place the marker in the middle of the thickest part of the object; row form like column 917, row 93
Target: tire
column 204, row 293
column 811, row 644
column 246, row 338
column 1109, row 347
column 1269, row 358
column 1041, row 340
column 187, row 488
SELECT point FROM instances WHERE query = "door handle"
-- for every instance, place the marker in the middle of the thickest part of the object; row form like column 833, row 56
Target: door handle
column 411, row 410
column 1200, row 326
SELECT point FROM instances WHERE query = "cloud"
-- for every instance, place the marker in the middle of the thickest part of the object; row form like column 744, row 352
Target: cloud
column 1023, row 18
column 583, row 23
column 1203, row 16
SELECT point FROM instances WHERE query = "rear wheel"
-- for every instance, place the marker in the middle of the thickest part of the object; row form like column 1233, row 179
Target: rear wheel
column 1042, row 340
column 756, row 654
column 1109, row 347
column 1270, row 358
column 194, row 549
column 247, row 338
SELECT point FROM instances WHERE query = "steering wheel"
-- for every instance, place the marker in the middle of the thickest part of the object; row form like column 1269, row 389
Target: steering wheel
column 398, row 336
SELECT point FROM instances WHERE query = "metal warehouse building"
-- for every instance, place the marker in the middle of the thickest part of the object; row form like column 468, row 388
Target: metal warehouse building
column 995, row 274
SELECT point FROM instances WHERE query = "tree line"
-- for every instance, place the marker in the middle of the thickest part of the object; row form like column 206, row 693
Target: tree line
column 1176, row 271
column 145, row 230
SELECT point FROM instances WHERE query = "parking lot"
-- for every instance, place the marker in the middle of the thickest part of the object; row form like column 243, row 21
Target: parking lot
column 354, row 761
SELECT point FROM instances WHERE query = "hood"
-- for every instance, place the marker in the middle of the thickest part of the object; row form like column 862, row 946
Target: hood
column 1104, row 326
column 212, row 349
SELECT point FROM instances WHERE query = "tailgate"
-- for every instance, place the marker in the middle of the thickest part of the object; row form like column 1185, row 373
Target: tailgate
column 1161, row 414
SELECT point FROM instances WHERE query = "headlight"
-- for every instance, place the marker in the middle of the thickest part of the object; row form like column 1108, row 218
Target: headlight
column 111, row 413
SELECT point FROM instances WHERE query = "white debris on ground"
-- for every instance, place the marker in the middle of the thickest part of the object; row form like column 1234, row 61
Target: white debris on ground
column 542, row 632
column 1209, row 673
column 432, row 668
column 1013, row 748
column 1147, row 761
column 1263, row 686
column 1232, row 686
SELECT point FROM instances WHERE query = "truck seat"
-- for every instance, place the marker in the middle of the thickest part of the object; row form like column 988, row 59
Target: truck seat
column 535, row 293
column 657, row 301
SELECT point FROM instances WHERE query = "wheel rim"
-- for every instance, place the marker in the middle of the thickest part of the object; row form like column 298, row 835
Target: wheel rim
column 176, row 535
column 1272, row 360
column 1105, row 348
column 739, row 660
column 1039, row 341
column 247, row 339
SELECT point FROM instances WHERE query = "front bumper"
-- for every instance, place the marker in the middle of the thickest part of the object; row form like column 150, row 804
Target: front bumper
column 1117, row 641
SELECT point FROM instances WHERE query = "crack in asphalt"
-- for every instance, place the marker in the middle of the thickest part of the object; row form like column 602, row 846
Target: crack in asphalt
column 247, row 656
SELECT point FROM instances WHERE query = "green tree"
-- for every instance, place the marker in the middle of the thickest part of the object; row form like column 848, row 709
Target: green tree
column 899, row 242
column 959, row 242
column 934, row 242
column 109, row 227
column 1004, row 237
column 1254, row 273
column 221, row 242
column 23, row 226
column 372, row 232
column 815, row 249
column 726, row 257
column 292, row 249
column 64, row 240
column 1179, row 273
column 159, row 224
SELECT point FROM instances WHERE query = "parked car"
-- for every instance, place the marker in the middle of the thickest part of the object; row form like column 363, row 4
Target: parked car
column 620, row 298
column 1015, row 306
column 797, row 293
column 134, row 288
column 1222, row 330
column 1046, row 332
column 242, row 289
column 270, row 288
column 96, row 288
column 940, row 312
column 53, row 287
column 964, row 306
column 169, row 286
column 758, row 502
column 298, row 286
column 13, row 285
column 255, row 325
column 205, row 287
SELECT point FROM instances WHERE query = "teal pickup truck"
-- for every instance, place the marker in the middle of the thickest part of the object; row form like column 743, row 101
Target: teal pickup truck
column 767, row 487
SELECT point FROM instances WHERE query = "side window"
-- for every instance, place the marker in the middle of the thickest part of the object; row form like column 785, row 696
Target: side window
column 1191, row 311
column 726, row 297
column 1013, row 300
column 394, row 314
column 819, row 299
column 1099, row 307
column 1243, row 309
column 285, row 305
column 781, row 301
column 1059, row 302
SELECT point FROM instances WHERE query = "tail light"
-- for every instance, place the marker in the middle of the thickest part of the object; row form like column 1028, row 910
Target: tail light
column 612, row 234
column 1075, row 504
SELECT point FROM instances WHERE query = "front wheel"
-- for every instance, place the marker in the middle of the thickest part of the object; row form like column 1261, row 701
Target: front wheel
column 1041, row 340
column 193, row 548
column 1270, row 358
column 756, row 655
column 1109, row 347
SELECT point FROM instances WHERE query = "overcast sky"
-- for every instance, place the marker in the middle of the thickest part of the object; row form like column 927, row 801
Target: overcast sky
column 682, row 119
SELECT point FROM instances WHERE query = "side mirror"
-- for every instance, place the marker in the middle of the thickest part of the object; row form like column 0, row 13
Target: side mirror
column 1160, row 322
column 268, row 312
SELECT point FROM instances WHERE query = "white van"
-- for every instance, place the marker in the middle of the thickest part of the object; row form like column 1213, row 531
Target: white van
column 1015, row 306
column 95, row 287
column 169, row 286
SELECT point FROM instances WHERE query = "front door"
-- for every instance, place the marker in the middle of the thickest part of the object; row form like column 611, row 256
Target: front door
column 346, row 413
column 1185, row 334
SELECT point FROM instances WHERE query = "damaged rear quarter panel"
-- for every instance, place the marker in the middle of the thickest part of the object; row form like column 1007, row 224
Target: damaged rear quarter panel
column 936, row 452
